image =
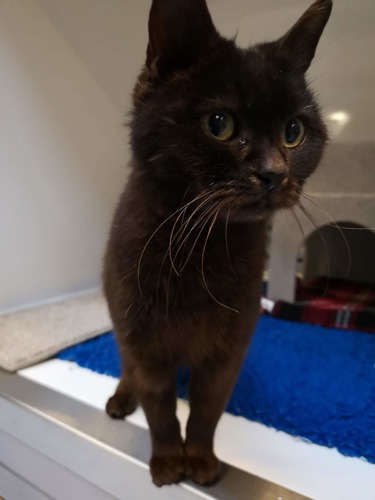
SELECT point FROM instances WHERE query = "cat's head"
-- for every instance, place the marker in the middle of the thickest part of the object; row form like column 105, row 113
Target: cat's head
column 212, row 117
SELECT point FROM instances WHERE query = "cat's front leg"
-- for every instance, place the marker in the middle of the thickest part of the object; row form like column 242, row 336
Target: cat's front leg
column 210, row 387
column 124, row 401
column 156, row 391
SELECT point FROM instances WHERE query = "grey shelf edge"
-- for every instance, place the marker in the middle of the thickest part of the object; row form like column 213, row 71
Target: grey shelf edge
column 112, row 455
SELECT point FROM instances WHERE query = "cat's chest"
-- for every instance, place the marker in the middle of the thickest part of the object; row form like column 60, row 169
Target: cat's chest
column 221, row 264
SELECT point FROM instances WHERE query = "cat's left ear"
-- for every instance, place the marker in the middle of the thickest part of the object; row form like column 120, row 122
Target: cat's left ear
column 179, row 32
column 298, row 46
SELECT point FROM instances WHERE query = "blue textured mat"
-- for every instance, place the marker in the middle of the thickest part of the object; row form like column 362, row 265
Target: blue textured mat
column 312, row 382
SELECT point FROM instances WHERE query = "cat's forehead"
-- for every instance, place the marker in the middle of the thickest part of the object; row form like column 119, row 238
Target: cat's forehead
column 248, row 80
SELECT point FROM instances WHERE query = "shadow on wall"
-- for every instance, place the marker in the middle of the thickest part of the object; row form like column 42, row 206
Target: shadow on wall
column 344, row 252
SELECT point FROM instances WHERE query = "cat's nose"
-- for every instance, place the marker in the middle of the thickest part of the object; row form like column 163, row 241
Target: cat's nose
column 271, row 178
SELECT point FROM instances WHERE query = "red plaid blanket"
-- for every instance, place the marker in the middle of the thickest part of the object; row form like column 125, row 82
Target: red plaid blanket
column 331, row 303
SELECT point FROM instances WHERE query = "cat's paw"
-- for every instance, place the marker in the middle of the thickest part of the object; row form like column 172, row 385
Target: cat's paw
column 167, row 470
column 202, row 469
column 120, row 406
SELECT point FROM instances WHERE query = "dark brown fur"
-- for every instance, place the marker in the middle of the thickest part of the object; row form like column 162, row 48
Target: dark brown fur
column 185, row 256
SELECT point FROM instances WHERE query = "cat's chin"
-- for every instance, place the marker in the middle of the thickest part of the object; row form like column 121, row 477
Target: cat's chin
column 262, row 210
column 250, row 213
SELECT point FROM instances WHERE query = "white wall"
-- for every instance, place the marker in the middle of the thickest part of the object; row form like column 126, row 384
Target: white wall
column 62, row 153
column 108, row 36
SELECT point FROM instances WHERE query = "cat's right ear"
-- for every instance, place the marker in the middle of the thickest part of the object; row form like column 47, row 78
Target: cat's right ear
column 298, row 46
column 179, row 31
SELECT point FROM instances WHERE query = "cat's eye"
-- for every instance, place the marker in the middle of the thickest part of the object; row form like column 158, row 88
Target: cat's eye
column 219, row 125
column 293, row 133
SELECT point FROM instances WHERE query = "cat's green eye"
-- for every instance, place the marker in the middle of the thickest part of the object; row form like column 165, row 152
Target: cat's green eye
column 219, row 125
column 293, row 133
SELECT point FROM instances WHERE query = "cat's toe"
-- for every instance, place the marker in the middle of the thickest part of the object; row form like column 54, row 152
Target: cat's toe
column 120, row 406
column 167, row 470
column 202, row 469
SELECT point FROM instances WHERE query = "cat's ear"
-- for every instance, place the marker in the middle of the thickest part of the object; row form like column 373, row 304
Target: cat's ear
column 298, row 46
column 179, row 31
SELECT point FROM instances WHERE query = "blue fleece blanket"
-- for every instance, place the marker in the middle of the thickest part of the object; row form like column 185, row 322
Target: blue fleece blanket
column 312, row 382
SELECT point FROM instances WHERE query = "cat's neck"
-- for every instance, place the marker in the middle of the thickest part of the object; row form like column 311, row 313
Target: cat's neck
column 220, row 242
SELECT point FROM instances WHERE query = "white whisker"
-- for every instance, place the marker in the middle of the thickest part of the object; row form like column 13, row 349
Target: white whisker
column 202, row 262
column 155, row 232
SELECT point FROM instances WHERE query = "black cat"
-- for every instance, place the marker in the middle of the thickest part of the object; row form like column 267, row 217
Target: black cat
column 221, row 138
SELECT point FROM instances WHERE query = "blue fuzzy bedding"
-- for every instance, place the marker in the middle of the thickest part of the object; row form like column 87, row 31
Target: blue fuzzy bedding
column 309, row 381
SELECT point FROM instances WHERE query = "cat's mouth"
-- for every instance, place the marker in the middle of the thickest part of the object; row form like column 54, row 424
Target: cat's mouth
column 261, row 203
